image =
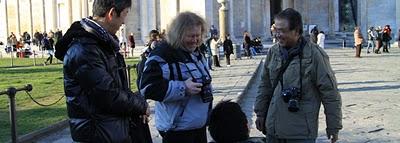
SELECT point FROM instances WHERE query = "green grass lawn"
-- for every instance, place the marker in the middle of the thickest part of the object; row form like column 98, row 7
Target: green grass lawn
column 47, row 82
column 19, row 62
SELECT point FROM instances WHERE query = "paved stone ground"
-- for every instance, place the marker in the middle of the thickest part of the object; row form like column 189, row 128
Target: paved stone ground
column 228, row 83
column 370, row 89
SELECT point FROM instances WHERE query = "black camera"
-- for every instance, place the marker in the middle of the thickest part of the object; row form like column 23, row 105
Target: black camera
column 292, row 96
column 206, row 91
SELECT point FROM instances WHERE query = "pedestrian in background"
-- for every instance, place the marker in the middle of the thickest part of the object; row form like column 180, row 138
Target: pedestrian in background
column 321, row 39
column 378, row 40
column 228, row 49
column 289, row 99
column 358, row 40
column 386, row 38
column 48, row 44
column 371, row 38
column 101, row 106
column 273, row 35
column 177, row 77
column 247, row 44
column 208, row 53
column 131, row 40
column 214, row 45
column 314, row 34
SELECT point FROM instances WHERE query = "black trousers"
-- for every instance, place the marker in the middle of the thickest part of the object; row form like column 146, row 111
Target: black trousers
column 50, row 58
column 228, row 59
column 189, row 136
column 216, row 61
column 358, row 50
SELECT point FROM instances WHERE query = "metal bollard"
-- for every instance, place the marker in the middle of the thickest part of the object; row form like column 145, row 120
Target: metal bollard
column 128, row 73
column 12, row 57
column 237, row 51
column 344, row 43
column 34, row 58
column 11, row 91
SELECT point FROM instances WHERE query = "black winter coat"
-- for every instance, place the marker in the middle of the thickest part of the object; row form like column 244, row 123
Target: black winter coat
column 228, row 47
column 99, row 102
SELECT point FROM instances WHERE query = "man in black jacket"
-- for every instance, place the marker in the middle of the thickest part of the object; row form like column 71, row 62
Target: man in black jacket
column 100, row 104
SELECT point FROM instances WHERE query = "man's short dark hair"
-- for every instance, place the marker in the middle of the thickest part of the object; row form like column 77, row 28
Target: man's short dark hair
column 101, row 7
column 228, row 123
column 293, row 17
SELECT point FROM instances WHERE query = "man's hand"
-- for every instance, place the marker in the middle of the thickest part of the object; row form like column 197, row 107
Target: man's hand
column 260, row 124
column 333, row 137
column 146, row 117
column 192, row 88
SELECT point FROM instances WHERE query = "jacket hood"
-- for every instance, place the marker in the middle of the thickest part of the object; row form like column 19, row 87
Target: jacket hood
column 89, row 29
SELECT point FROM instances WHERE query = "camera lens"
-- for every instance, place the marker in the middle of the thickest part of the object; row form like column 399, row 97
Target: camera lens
column 286, row 95
column 206, row 93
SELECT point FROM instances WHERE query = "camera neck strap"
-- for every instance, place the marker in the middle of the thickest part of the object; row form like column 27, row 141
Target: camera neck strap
column 285, row 65
column 197, row 66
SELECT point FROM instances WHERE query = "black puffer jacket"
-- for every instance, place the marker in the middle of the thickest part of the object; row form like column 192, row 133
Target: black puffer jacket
column 99, row 102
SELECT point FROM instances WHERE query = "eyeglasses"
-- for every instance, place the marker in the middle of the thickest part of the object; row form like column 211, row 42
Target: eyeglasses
column 281, row 31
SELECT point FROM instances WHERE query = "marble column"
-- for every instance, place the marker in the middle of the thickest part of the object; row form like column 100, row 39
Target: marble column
column 336, row 13
column 306, row 18
column 178, row 6
column 248, row 12
column 85, row 8
column 223, row 19
column 148, row 17
column 331, row 17
column 231, row 29
column 267, row 18
column 80, row 15
column 30, row 17
column 362, row 20
column 397, row 19
column 209, row 13
column 6, row 18
column 44, row 16
column 69, row 12
column 287, row 4
column 18, row 32
column 157, row 13
column 54, row 14
column 291, row 4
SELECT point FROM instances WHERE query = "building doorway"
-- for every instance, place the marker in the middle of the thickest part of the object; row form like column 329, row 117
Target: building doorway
column 276, row 7
column 347, row 15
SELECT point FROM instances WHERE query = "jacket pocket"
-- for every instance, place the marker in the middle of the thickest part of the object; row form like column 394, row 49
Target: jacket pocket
column 295, row 124
column 112, row 129
column 81, row 129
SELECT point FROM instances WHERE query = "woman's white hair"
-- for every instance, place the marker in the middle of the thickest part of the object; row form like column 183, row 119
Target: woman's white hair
column 182, row 23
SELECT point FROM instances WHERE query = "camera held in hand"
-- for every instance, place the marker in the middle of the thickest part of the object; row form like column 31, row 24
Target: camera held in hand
column 206, row 91
column 292, row 96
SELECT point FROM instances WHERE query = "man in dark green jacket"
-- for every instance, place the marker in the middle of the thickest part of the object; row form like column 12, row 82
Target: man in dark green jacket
column 296, row 79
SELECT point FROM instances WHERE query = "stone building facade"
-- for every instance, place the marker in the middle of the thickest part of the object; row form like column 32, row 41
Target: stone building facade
column 254, row 16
